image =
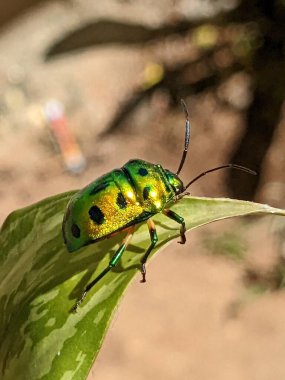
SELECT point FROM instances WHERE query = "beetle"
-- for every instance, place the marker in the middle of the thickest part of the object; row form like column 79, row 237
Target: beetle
column 123, row 198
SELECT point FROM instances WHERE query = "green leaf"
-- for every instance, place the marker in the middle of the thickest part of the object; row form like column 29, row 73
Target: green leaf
column 40, row 281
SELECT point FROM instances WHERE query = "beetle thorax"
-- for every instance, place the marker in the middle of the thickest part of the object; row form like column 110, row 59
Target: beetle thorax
column 150, row 183
column 175, row 182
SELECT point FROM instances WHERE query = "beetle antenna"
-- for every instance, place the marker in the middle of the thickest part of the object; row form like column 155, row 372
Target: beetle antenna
column 228, row 166
column 187, row 136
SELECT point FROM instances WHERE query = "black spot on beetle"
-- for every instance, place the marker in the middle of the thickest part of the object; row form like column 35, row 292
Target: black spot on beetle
column 98, row 188
column 96, row 215
column 75, row 230
column 146, row 191
column 121, row 202
column 143, row 172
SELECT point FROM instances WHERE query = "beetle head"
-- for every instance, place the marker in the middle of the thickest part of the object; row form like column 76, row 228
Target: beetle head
column 175, row 182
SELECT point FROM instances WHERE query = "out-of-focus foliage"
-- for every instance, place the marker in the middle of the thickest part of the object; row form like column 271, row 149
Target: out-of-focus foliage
column 249, row 38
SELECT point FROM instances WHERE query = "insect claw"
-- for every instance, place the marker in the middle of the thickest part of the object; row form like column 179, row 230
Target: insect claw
column 182, row 239
column 180, row 196
column 74, row 310
column 78, row 303
column 143, row 272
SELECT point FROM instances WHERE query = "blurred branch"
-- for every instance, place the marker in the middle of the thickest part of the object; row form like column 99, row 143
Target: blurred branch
column 174, row 81
column 105, row 32
column 267, row 70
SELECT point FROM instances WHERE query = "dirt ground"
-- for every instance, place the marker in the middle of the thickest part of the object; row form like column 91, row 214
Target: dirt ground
column 196, row 317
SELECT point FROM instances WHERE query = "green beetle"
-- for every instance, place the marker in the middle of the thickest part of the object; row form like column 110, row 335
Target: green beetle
column 121, row 199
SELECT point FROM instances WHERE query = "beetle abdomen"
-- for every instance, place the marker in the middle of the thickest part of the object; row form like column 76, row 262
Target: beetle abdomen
column 103, row 207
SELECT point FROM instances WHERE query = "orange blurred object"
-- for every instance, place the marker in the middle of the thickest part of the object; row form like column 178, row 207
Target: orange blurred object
column 65, row 139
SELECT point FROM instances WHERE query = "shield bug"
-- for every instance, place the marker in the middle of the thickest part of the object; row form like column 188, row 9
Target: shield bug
column 124, row 197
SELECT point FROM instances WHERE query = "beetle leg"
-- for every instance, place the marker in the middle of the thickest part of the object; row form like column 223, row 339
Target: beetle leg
column 113, row 262
column 172, row 215
column 154, row 239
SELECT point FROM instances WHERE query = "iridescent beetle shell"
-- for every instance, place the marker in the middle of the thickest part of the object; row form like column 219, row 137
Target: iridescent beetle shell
column 117, row 200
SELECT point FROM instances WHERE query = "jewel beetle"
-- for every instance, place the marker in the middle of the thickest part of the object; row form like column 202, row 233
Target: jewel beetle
column 122, row 198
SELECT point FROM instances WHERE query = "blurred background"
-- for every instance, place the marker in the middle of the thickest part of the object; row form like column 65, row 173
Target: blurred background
column 87, row 85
